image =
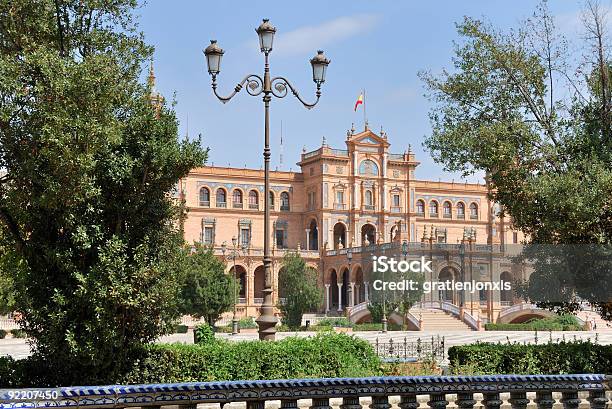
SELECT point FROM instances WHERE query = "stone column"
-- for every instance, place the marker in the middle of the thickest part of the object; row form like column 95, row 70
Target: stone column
column 327, row 297
column 365, row 288
column 307, row 239
column 357, row 298
column 339, row 297
column 351, row 298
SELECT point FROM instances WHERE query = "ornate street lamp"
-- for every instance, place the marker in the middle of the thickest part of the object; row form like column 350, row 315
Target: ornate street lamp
column 349, row 257
column 278, row 87
column 462, row 258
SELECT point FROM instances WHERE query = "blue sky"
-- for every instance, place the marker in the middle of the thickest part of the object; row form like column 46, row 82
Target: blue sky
column 376, row 45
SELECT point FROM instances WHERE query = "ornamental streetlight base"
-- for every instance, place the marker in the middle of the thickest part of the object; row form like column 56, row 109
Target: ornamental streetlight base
column 234, row 326
column 267, row 324
column 384, row 325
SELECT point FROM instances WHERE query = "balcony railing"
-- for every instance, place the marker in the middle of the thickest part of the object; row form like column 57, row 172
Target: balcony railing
column 221, row 204
column 494, row 391
column 447, row 215
column 339, row 152
column 474, row 216
column 432, row 214
column 204, row 203
column 254, row 206
column 339, row 206
column 369, row 207
column 396, row 209
column 258, row 300
column 237, row 205
column 311, row 154
column 461, row 216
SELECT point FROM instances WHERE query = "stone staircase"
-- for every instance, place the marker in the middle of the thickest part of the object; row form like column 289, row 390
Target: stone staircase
column 602, row 325
column 438, row 320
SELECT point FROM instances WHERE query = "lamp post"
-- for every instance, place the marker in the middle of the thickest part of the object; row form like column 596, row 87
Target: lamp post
column 235, row 252
column 349, row 257
column 278, row 87
column 462, row 258
column 384, row 317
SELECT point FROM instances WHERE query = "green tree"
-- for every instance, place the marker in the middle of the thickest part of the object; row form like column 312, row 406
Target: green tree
column 297, row 285
column 85, row 202
column 515, row 109
column 206, row 290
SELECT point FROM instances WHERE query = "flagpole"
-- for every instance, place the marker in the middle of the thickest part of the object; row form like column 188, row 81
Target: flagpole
column 365, row 118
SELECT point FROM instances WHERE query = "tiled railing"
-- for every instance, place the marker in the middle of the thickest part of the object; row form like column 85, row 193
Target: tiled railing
column 493, row 391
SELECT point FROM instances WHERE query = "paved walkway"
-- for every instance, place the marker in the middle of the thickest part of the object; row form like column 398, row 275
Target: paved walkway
column 18, row 348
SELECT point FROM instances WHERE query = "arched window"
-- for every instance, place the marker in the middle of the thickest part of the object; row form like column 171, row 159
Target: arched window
column 204, row 197
column 237, row 199
column 369, row 200
column 447, row 210
column 221, row 198
column 284, row 201
column 253, row 200
column 460, row 210
column 473, row 211
column 420, row 207
column 368, row 167
column 271, row 200
column 433, row 208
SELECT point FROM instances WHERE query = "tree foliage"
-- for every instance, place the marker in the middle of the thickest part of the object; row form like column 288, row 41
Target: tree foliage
column 517, row 109
column 206, row 290
column 85, row 203
column 297, row 284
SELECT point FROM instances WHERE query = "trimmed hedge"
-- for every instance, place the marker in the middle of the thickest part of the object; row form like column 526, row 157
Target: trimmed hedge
column 3, row 333
column 515, row 358
column 566, row 322
column 180, row 329
column 18, row 333
column 325, row 355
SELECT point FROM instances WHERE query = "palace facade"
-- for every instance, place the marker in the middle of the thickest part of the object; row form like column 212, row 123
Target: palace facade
column 356, row 198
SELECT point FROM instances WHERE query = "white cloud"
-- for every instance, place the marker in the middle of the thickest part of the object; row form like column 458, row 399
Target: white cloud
column 308, row 39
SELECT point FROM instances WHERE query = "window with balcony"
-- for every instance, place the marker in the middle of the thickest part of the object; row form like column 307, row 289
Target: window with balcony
column 281, row 242
column 474, row 211
column 396, row 203
column 204, row 197
column 245, row 236
column 208, row 235
column 339, row 205
column 460, row 210
column 271, row 200
column 433, row 208
column 420, row 208
column 447, row 210
column 284, row 202
column 253, row 200
column 221, row 198
column 369, row 200
column 237, row 199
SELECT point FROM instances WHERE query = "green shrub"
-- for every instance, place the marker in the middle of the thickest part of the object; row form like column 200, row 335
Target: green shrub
column 324, row 355
column 247, row 323
column 224, row 329
column 2, row 333
column 203, row 334
column 566, row 322
column 515, row 358
column 335, row 322
column 18, row 333
column 180, row 329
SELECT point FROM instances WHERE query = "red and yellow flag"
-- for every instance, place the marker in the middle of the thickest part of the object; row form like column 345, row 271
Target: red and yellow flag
column 359, row 101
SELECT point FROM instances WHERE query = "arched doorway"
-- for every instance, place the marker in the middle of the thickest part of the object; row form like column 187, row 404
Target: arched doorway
column 340, row 241
column 313, row 235
column 368, row 234
column 345, row 288
column 359, row 285
column 259, row 278
column 447, row 274
column 333, row 290
column 506, row 295
column 241, row 276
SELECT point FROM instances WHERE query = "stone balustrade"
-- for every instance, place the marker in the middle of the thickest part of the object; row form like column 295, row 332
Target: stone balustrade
column 519, row 391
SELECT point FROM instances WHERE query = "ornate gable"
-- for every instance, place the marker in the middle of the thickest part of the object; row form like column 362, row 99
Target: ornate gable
column 366, row 138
